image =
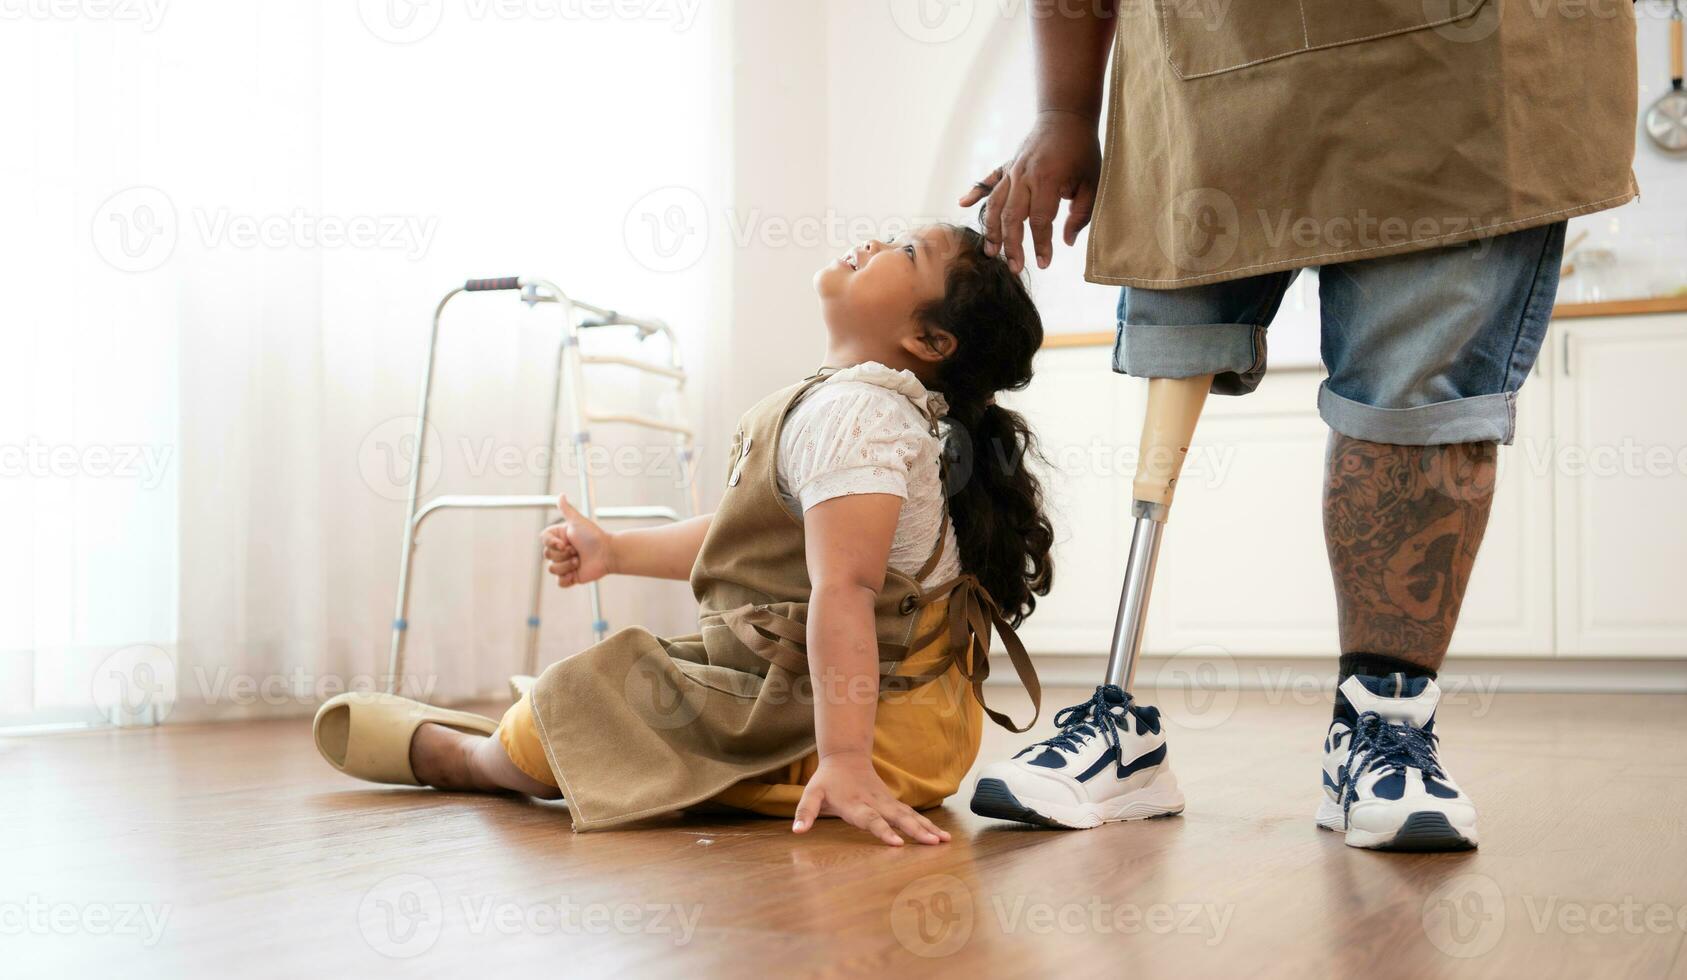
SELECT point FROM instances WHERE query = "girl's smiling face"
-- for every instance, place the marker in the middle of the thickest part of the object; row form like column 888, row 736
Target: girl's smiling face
column 869, row 298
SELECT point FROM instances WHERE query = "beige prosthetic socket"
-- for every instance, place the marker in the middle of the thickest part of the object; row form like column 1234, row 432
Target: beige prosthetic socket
column 1168, row 426
column 1174, row 406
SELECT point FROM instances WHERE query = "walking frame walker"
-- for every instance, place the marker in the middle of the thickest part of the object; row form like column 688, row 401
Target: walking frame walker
column 570, row 363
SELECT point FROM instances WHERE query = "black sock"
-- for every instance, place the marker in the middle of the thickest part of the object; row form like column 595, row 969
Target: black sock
column 1371, row 665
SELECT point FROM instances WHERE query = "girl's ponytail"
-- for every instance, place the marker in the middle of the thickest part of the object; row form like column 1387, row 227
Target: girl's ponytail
column 996, row 502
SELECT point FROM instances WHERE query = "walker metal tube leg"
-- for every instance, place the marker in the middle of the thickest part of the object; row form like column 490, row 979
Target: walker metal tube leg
column 400, row 623
column 530, row 662
column 1174, row 406
column 582, row 441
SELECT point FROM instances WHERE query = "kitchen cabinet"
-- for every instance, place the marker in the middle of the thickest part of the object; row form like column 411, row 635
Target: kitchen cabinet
column 1579, row 560
column 1620, row 463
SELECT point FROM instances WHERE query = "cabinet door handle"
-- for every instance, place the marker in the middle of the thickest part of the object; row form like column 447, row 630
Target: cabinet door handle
column 1566, row 353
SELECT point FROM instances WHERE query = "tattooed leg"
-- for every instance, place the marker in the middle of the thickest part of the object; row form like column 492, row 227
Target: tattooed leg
column 1403, row 525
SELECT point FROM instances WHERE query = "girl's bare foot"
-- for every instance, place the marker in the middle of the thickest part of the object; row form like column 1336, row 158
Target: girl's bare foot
column 441, row 757
column 447, row 759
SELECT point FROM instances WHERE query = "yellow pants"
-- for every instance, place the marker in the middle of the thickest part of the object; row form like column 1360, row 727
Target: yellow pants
column 924, row 740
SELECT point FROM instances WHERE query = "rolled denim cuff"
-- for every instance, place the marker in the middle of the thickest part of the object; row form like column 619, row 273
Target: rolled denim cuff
column 1479, row 418
column 1234, row 353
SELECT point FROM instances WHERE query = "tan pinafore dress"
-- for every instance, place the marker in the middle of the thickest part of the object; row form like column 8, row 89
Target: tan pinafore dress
column 640, row 725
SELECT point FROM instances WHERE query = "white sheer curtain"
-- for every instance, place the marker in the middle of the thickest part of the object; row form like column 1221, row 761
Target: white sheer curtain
column 226, row 230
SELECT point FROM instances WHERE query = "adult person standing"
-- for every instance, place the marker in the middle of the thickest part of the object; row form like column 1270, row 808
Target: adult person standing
column 1424, row 156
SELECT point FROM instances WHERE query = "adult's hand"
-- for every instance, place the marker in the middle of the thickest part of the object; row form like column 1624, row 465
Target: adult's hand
column 1059, row 160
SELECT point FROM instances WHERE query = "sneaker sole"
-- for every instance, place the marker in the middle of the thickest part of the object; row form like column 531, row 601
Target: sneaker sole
column 1426, row 831
column 992, row 798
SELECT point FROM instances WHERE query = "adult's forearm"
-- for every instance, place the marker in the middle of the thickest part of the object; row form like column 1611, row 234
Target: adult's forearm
column 667, row 551
column 843, row 660
column 1072, row 39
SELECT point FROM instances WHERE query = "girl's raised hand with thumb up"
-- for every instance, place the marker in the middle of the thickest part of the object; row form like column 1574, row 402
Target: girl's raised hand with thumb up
column 578, row 550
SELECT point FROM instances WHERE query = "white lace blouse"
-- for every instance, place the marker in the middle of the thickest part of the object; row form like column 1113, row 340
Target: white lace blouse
column 860, row 432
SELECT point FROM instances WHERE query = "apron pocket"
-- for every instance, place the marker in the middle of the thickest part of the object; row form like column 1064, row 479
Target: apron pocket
column 1210, row 37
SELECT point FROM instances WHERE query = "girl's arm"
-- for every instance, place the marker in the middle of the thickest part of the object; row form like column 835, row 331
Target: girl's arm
column 848, row 542
column 581, row 551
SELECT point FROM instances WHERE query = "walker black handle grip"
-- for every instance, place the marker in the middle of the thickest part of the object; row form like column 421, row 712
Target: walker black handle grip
column 488, row 285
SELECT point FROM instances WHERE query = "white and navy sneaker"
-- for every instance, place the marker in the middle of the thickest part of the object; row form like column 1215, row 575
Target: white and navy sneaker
column 1384, row 786
column 1107, row 764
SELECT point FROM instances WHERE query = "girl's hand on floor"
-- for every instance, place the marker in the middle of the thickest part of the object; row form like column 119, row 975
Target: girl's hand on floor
column 848, row 787
column 578, row 550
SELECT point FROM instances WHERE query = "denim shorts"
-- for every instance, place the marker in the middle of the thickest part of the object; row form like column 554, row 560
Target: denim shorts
column 1422, row 349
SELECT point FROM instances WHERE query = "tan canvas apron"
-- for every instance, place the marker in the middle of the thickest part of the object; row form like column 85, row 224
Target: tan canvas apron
column 640, row 724
column 1247, row 136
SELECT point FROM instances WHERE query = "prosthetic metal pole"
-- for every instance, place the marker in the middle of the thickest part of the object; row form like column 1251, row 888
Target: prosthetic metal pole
column 1174, row 406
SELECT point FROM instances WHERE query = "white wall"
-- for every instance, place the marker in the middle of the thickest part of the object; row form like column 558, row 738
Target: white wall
column 767, row 227
column 922, row 108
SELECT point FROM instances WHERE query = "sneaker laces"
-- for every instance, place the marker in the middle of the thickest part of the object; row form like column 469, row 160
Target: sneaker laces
column 1093, row 718
column 1389, row 748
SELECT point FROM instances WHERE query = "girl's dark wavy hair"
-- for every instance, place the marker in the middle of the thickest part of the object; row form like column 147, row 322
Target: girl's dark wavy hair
column 995, row 501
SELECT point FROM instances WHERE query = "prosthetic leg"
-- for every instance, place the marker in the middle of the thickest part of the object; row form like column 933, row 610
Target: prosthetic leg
column 1108, row 761
column 1174, row 406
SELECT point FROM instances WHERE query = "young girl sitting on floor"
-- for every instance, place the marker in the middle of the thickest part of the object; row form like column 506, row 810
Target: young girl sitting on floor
column 846, row 601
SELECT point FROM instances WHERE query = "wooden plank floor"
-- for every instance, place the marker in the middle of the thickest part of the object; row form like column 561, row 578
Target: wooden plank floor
column 233, row 850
